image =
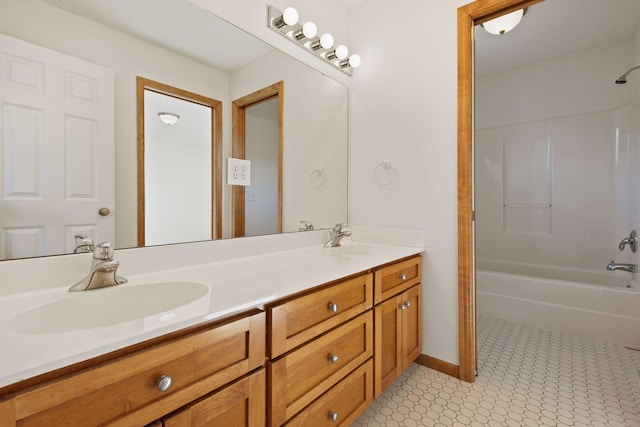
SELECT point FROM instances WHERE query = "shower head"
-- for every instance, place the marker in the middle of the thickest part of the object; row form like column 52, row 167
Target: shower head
column 623, row 78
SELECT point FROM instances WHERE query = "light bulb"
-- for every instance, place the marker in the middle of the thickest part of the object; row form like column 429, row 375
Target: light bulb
column 324, row 42
column 309, row 31
column 288, row 17
column 342, row 52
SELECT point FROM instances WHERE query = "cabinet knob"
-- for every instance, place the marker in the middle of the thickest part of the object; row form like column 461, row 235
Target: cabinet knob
column 333, row 358
column 408, row 304
column 403, row 306
column 403, row 276
column 333, row 416
column 164, row 382
column 333, row 307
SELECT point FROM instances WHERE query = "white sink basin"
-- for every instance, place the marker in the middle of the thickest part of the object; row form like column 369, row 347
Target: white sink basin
column 107, row 306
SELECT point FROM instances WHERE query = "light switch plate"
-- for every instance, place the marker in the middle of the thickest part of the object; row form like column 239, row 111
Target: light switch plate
column 238, row 171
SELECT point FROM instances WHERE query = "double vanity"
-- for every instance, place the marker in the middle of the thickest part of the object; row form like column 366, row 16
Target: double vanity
column 304, row 336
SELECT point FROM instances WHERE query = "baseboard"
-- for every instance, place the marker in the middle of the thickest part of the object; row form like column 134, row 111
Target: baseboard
column 439, row 365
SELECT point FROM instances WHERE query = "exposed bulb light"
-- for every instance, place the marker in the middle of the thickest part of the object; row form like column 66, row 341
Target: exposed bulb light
column 324, row 42
column 288, row 25
column 505, row 23
column 289, row 17
column 169, row 118
column 308, row 31
column 340, row 52
column 353, row 61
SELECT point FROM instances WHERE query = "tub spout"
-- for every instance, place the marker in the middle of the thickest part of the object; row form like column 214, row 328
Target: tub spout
column 631, row 268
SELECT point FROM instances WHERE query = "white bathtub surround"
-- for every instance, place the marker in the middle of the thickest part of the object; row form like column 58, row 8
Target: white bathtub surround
column 239, row 274
column 526, row 377
column 601, row 313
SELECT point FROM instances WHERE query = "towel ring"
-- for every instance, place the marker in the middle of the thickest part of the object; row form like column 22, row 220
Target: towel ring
column 318, row 179
column 384, row 174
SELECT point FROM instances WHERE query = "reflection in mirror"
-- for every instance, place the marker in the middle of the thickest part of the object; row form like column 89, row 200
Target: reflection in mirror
column 148, row 38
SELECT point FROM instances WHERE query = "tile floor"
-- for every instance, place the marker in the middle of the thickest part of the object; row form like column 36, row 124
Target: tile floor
column 528, row 377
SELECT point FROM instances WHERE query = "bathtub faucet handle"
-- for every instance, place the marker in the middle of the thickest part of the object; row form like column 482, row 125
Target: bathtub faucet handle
column 632, row 241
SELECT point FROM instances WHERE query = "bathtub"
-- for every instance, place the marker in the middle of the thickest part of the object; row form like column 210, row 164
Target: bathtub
column 608, row 312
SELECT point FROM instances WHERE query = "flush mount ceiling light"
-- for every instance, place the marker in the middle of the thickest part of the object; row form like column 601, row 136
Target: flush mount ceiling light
column 505, row 23
column 286, row 24
column 169, row 118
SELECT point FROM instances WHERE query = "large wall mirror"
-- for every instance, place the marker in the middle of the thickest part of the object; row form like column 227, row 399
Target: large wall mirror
column 83, row 146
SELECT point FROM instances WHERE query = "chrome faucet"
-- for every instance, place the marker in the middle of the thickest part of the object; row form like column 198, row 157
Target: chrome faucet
column 335, row 235
column 83, row 243
column 631, row 268
column 306, row 226
column 103, row 270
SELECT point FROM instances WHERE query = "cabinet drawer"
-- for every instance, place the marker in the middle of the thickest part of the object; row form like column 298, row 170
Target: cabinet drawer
column 296, row 321
column 303, row 375
column 341, row 405
column 241, row 404
column 396, row 278
column 125, row 391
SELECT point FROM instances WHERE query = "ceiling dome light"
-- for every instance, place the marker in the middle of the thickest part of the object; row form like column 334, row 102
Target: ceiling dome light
column 324, row 42
column 288, row 17
column 505, row 23
column 169, row 118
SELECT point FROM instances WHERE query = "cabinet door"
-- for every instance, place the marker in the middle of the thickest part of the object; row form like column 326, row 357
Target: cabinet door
column 388, row 343
column 398, row 336
column 411, row 325
column 241, row 404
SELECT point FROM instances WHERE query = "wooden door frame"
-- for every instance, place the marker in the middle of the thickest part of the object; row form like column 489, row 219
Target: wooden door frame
column 216, row 150
column 469, row 16
column 238, row 149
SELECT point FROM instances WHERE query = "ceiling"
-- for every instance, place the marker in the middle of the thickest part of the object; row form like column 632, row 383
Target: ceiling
column 164, row 23
column 554, row 28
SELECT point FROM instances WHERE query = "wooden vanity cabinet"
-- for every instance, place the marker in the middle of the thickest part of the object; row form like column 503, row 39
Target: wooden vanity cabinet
column 398, row 321
column 317, row 341
column 125, row 391
column 241, row 404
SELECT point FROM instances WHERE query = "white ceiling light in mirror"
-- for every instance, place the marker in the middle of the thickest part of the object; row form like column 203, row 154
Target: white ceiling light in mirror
column 505, row 23
column 168, row 118
column 286, row 23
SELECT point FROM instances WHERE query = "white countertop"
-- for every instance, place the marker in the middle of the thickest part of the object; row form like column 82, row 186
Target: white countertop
column 232, row 286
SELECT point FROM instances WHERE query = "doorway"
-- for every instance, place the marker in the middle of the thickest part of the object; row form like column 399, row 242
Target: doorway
column 468, row 17
column 258, row 137
column 179, row 165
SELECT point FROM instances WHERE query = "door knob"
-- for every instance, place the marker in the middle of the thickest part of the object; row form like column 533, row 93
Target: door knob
column 104, row 211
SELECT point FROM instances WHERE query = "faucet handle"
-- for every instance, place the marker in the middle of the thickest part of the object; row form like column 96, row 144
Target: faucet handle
column 104, row 251
column 338, row 227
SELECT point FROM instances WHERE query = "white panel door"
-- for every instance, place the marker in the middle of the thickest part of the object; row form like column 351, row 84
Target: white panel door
column 56, row 150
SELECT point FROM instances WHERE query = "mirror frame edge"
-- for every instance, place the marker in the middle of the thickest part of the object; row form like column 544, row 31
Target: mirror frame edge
column 469, row 16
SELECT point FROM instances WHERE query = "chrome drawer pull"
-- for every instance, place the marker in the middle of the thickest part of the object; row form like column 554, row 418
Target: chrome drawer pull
column 333, row 307
column 333, row 358
column 403, row 277
column 164, row 382
column 333, row 416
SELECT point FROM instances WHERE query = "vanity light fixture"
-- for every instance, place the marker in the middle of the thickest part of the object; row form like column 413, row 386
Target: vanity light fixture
column 168, row 118
column 505, row 23
column 286, row 24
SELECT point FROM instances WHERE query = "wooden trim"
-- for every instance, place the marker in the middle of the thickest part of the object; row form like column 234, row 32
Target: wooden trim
column 468, row 16
column 238, row 148
column 438, row 365
column 216, row 149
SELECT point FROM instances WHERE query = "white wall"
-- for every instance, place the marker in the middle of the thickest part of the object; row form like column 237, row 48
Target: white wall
column 403, row 109
column 572, row 104
column 51, row 27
